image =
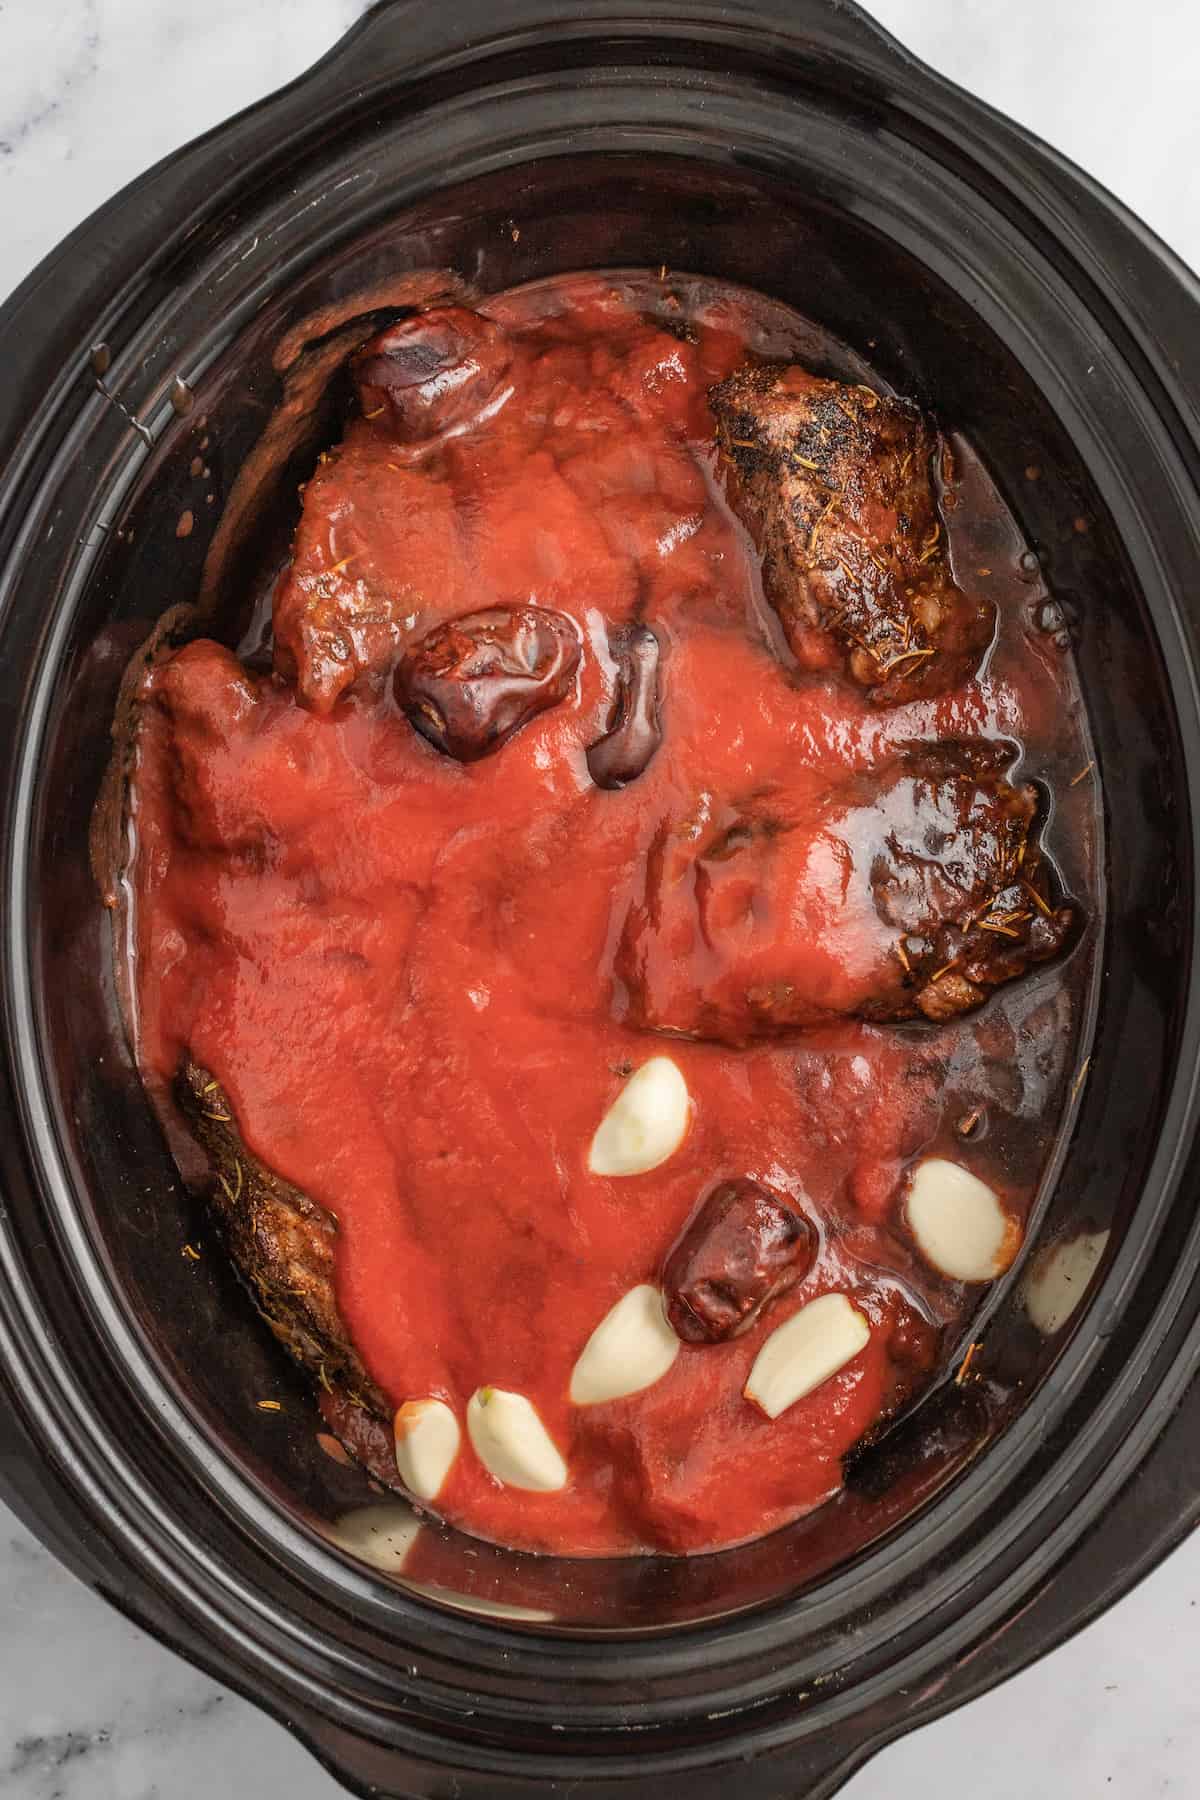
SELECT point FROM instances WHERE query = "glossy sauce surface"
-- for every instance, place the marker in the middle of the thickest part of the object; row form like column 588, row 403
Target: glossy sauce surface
column 403, row 967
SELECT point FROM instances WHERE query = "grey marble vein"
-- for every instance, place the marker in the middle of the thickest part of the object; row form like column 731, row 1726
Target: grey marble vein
column 92, row 92
column 92, row 1709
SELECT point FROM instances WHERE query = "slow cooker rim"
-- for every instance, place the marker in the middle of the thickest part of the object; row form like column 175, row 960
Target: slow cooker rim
column 80, row 431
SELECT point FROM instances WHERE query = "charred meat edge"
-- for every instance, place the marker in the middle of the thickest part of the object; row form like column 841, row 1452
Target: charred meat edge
column 282, row 1242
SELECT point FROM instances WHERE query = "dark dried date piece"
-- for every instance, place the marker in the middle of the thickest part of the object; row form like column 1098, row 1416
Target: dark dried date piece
column 431, row 373
column 633, row 736
column 471, row 683
column 742, row 1249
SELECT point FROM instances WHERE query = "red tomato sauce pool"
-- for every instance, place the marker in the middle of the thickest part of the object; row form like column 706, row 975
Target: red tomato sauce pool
column 401, row 967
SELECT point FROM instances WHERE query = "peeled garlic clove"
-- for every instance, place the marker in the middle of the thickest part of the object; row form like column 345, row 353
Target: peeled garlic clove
column 958, row 1223
column 379, row 1535
column 512, row 1443
column 805, row 1351
column 427, row 1440
column 631, row 1348
column 646, row 1122
column 1060, row 1278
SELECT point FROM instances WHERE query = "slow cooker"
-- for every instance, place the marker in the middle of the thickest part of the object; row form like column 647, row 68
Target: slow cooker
column 793, row 146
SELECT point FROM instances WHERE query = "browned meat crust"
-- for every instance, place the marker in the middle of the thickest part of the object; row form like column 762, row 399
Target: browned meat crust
column 911, row 893
column 368, row 1437
column 974, row 911
column 282, row 1243
column 835, row 485
column 339, row 611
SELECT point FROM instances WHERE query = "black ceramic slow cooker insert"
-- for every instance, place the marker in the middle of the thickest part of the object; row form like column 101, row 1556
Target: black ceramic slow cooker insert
column 792, row 146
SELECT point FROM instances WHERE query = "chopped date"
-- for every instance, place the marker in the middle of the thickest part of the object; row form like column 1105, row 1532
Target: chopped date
column 431, row 373
column 471, row 683
column 633, row 736
column 744, row 1248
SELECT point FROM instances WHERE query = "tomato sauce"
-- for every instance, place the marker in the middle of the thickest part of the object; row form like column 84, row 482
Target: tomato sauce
column 403, row 968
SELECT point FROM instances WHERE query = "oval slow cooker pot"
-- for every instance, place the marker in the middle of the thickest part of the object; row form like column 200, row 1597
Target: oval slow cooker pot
column 788, row 144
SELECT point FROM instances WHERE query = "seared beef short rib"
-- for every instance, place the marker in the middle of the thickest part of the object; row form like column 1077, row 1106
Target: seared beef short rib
column 835, row 486
column 282, row 1244
column 911, row 893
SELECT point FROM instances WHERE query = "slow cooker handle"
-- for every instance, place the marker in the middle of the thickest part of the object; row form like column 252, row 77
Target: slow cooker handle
column 815, row 1771
column 395, row 35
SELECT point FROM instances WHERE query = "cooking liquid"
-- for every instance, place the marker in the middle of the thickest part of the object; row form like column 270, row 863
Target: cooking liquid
column 400, row 967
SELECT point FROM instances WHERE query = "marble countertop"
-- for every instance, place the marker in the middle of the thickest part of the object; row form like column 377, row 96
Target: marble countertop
column 93, row 91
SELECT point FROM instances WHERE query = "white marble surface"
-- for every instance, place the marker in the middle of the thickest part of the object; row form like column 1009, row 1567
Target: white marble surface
column 91, row 92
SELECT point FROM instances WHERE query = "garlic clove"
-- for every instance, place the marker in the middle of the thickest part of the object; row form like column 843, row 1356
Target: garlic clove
column 645, row 1124
column 958, row 1223
column 1060, row 1278
column 805, row 1351
column 427, row 1439
column 379, row 1535
column 631, row 1348
column 512, row 1443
